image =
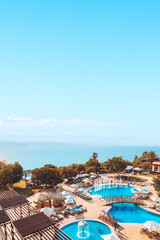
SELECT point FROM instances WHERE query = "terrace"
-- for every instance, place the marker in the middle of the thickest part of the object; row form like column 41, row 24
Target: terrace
column 20, row 221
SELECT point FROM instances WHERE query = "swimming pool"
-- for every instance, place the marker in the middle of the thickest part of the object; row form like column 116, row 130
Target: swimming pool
column 113, row 190
column 132, row 213
column 139, row 190
column 72, row 230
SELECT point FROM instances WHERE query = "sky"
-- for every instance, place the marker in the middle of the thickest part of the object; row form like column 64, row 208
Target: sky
column 81, row 71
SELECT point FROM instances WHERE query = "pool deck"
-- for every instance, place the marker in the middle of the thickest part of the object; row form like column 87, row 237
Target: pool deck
column 130, row 231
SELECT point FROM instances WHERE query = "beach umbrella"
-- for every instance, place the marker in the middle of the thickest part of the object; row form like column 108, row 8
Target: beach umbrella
column 155, row 199
column 93, row 176
column 86, row 180
column 80, row 189
column 137, row 169
column 79, row 176
column 69, row 201
column 151, row 225
column 65, row 193
column 85, row 175
column 111, row 236
column 129, row 167
column 74, row 186
column 46, row 210
column 70, row 196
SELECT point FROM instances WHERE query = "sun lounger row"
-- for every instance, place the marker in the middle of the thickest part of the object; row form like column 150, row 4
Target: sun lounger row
column 82, row 195
column 78, row 209
column 70, row 211
column 87, row 184
column 142, row 196
column 56, row 218
column 154, row 206
column 151, row 234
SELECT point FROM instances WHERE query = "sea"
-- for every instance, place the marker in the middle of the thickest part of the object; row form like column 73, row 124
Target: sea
column 35, row 154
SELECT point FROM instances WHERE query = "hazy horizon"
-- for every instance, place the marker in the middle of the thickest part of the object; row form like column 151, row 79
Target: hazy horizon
column 34, row 154
column 78, row 143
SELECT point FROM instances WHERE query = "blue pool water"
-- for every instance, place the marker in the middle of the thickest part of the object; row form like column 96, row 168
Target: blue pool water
column 72, row 230
column 113, row 190
column 28, row 175
column 136, row 190
column 131, row 213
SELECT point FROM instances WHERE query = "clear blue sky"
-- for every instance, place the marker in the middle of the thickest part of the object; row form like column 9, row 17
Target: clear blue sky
column 81, row 71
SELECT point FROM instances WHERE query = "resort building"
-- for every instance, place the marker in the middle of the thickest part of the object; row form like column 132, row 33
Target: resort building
column 155, row 167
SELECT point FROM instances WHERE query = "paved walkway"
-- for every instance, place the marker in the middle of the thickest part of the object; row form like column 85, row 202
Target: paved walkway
column 94, row 207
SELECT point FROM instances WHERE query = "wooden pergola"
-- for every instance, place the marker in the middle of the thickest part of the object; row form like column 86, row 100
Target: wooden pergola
column 20, row 221
column 8, row 194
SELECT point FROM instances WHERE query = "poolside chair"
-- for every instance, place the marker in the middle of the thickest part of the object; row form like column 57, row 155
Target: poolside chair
column 158, row 208
column 56, row 218
column 144, row 196
column 64, row 213
column 152, row 205
column 78, row 210
column 70, row 211
column 84, row 209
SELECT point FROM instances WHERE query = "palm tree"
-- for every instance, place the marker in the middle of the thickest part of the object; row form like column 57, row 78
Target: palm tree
column 58, row 202
column 41, row 202
column 49, row 198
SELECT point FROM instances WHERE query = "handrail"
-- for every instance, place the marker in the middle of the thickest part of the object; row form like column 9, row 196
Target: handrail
column 122, row 198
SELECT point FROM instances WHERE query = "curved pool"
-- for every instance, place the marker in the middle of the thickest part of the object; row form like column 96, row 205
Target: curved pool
column 112, row 190
column 132, row 213
column 139, row 190
column 72, row 230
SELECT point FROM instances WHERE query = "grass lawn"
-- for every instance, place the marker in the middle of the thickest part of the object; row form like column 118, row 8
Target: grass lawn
column 21, row 184
column 21, row 189
column 149, row 175
column 140, row 179
column 25, row 192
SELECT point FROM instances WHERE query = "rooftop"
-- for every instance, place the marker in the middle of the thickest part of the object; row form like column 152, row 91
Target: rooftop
column 3, row 217
column 32, row 224
column 156, row 163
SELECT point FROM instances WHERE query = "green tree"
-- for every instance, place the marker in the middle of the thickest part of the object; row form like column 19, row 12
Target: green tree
column 93, row 162
column 152, row 156
column 46, row 176
column 145, row 160
column 136, row 162
column 10, row 174
column 49, row 198
column 6, row 175
column 156, row 183
column 81, row 168
column 41, row 202
column 49, row 166
column 116, row 164
column 67, row 172
column 145, row 166
column 17, row 172
column 91, row 169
